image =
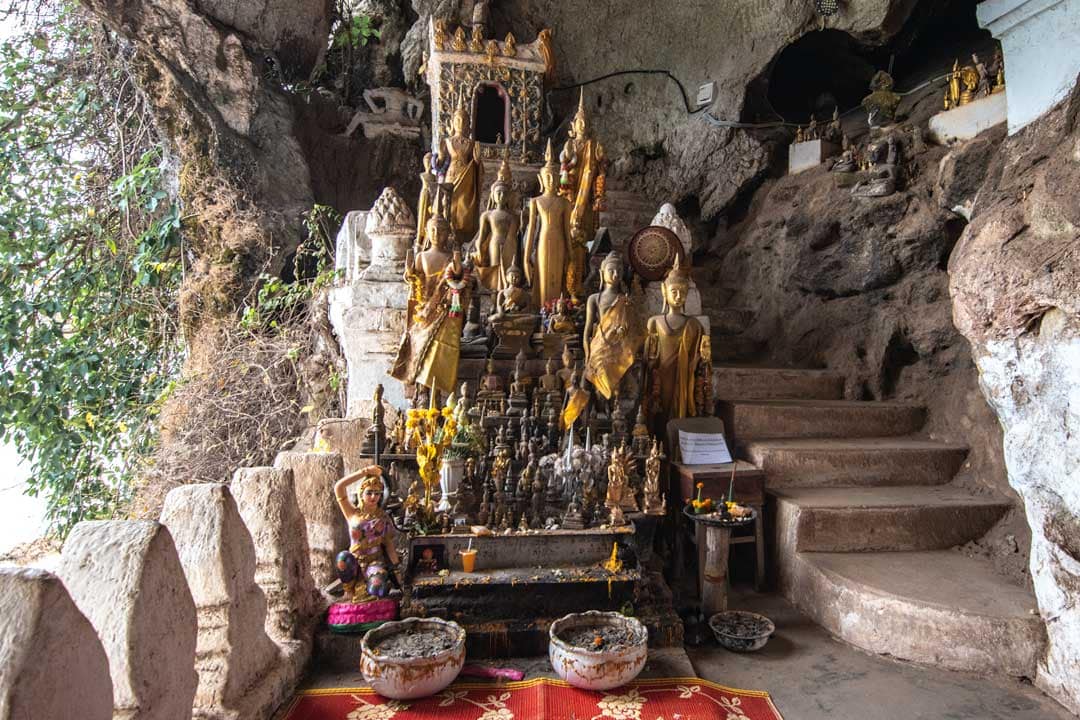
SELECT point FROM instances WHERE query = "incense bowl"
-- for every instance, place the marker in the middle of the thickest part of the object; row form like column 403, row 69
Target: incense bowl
column 600, row 669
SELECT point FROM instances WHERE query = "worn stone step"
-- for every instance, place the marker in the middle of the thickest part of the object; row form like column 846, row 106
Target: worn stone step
column 851, row 462
column 733, row 382
column 883, row 519
column 940, row 608
column 749, row 420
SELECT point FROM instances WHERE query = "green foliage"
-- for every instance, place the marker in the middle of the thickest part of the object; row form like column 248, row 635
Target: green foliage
column 355, row 31
column 279, row 303
column 90, row 264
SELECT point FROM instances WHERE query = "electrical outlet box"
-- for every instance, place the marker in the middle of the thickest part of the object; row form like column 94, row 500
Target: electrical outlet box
column 705, row 93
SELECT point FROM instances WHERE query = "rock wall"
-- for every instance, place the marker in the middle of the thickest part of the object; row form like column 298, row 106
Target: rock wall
column 1015, row 276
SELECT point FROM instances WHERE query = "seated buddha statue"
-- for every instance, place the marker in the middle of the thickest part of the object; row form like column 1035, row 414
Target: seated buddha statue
column 491, row 385
column 561, row 321
column 511, row 320
column 519, row 396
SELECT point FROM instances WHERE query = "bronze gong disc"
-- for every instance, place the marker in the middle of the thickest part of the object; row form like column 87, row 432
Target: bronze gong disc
column 653, row 251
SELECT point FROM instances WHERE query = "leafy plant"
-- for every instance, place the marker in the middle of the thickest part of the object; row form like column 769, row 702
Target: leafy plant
column 355, row 31
column 90, row 264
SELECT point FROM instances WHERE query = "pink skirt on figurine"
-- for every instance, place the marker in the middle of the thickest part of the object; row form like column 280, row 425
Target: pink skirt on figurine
column 345, row 614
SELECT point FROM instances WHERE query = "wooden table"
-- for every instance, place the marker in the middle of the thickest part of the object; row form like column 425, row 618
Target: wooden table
column 749, row 490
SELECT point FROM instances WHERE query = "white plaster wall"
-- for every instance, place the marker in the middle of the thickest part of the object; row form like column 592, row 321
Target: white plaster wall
column 1031, row 384
column 1041, row 42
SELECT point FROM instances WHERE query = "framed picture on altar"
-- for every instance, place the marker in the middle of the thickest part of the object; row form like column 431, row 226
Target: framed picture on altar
column 428, row 559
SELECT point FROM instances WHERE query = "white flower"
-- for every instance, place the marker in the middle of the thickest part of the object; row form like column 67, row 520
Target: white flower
column 368, row 711
column 502, row 713
column 622, row 707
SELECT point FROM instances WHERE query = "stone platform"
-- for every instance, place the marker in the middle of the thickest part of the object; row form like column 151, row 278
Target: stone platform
column 967, row 121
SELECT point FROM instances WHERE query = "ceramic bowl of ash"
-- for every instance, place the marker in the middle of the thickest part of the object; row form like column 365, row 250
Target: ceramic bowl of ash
column 412, row 658
column 598, row 650
column 741, row 631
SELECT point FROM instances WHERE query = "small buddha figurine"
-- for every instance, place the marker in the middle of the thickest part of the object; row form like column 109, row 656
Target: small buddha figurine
column 613, row 332
column 510, row 45
column 465, row 173
column 439, row 35
column 654, row 503
column 811, row 129
column 513, row 298
column 424, row 205
column 834, row 131
column 431, row 345
column 800, row 136
column 998, row 68
column 491, row 384
column 370, row 530
column 561, row 321
column 640, row 434
column 519, row 397
column 512, row 321
column 548, row 384
column 621, row 468
column 574, row 519
column 375, row 439
column 673, row 354
column 484, row 514
column 567, row 369
column 984, row 84
column 881, row 103
column 496, row 249
column 547, row 236
column 582, row 182
column 883, row 171
column 846, row 163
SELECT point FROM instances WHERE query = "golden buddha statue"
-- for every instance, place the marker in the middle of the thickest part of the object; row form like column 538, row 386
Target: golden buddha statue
column 465, row 174
column 428, row 187
column 567, row 370
column 459, row 44
column 674, row 354
column 561, row 322
column 431, row 346
column 476, row 39
column 653, row 500
column 582, row 183
column 547, row 237
column 370, row 532
column 510, row 45
column 496, row 246
column 513, row 299
column 613, row 332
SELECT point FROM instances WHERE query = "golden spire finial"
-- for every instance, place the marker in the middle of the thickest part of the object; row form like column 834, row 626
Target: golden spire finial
column 549, row 155
column 505, row 175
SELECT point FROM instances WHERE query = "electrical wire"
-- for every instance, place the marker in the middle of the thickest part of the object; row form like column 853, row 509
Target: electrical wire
column 714, row 121
column 666, row 73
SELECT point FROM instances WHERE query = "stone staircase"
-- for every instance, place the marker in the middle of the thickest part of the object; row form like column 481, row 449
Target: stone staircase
column 625, row 213
column 864, row 520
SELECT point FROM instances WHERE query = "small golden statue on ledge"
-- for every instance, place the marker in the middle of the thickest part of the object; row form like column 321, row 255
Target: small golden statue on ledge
column 654, row 503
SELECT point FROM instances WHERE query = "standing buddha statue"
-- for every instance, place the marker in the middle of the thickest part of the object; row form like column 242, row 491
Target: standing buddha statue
column 548, row 245
column 582, row 183
column 613, row 332
column 496, row 249
column 465, row 174
column 431, row 346
column 428, row 187
column 676, row 349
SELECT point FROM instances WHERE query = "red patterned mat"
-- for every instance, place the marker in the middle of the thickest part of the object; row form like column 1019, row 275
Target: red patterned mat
column 544, row 699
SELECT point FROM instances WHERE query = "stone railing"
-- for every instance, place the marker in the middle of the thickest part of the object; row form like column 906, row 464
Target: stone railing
column 208, row 613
